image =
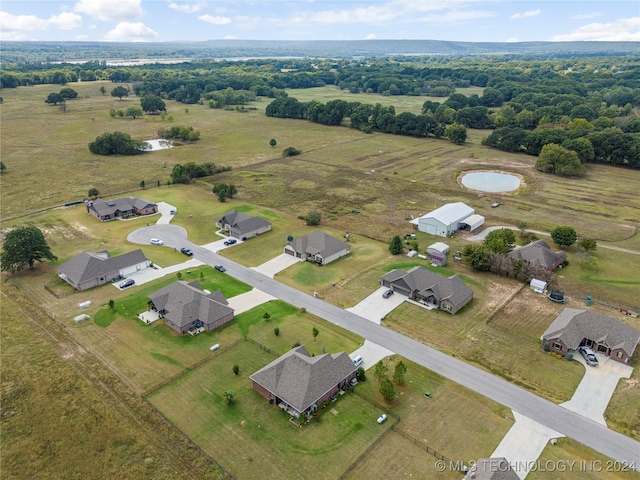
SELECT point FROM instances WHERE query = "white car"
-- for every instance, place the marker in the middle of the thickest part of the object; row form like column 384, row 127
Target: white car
column 156, row 241
column 382, row 418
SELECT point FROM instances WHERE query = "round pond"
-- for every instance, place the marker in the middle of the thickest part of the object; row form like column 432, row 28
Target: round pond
column 490, row 182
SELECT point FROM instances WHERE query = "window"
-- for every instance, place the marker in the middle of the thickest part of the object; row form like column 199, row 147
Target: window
column 619, row 354
column 557, row 346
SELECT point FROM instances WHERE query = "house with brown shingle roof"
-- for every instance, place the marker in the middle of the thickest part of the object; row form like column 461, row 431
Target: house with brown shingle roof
column 317, row 247
column 242, row 226
column 574, row 328
column 539, row 254
column 90, row 269
column 447, row 293
column 185, row 306
column 124, row 207
column 300, row 383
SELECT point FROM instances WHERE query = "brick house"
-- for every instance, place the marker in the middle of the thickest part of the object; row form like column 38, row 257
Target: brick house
column 124, row 207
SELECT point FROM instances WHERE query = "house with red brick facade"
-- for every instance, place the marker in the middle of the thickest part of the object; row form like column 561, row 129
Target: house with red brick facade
column 124, row 207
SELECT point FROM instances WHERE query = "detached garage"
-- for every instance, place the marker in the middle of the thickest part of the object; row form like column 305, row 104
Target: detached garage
column 446, row 220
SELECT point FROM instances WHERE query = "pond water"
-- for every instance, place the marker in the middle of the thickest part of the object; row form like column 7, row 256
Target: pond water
column 158, row 144
column 491, row 182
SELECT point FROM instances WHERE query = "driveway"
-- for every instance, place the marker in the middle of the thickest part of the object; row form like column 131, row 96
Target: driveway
column 165, row 210
column 374, row 308
column 150, row 274
column 246, row 301
column 276, row 265
column 596, row 388
column 371, row 354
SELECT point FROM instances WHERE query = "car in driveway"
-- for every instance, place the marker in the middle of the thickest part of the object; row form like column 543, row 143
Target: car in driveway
column 382, row 418
column 127, row 283
column 231, row 241
column 589, row 356
column 220, row 268
column 387, row 293
column 187, row 252
column 156, row 241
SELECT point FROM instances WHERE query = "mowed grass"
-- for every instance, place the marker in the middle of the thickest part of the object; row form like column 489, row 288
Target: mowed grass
column 569, row 459
column 253, row 439
column 64, row 416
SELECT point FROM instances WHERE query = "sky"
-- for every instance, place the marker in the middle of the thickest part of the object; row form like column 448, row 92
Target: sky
column 200, row 20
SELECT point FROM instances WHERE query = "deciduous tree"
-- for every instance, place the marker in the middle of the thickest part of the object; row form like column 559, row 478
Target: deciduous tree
column 313, row 217
column 22, row 247
column 564, row 235
column 120, row 92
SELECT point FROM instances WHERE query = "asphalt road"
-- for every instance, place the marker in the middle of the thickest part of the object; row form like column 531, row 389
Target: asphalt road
column 575, row 426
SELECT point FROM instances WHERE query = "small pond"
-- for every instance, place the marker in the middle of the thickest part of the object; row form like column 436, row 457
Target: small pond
column 490, row 182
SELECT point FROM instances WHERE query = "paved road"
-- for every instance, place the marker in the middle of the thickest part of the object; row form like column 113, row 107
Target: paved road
column 571, row 424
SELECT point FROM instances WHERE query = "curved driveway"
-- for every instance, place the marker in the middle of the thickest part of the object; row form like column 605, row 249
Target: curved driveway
column 571, row 424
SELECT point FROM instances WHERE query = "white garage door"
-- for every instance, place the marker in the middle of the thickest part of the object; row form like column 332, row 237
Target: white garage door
column 128, row 270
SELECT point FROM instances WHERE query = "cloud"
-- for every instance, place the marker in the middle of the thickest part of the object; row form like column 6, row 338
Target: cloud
column 512, row 40
column 230, row 37
column 130, row 32
column 110, row 10
column 530, row 13
column 622, row 30
column 371, row 36
column 584, row 16
column 11, row 24
column 215, row 20
column 187, row 8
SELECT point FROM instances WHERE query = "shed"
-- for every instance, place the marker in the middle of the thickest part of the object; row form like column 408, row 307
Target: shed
column 444, row 221
column 473, row 222
column 437, row 258
column 538, row 286
column 438, row 247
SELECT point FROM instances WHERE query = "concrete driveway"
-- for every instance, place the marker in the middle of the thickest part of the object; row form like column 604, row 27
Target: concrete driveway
column 248, row 300
column 374, row 308
column 277, row 264
column 596, row 388
column 165, row 210
column 371, row 354
column 150, row 274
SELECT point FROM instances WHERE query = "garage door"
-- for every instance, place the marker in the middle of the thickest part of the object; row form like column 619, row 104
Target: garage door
column 431, row 229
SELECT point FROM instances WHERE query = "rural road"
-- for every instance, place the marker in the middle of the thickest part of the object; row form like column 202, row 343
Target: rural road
column 571, row 424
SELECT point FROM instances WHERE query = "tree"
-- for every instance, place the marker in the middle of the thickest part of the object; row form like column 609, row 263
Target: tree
column 142, row 184
column 276, row 331
column 476, row 255
column 54, row 98
column 236, row 369
column 266, row 316
column 103, row 90
column 290, row 152
column 398, row 373
column 22, row 247
column 273, row 142
column 68, row 93
column 313, row 218
column 587, row 244
column 387, row 390
column 395, row 246
column 564, row 235
column 560, row 161
column 500, row 241
column 152, row 104
column 380, row 370
column 3, row 167
column 456, row 133
column 93, row 193
column 361, row 375
column 116, row 143
column 133, row 112
column 120, row 92
column 315, row 333
column 228, row 397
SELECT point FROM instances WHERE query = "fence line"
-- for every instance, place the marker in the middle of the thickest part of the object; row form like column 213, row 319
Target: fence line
column 423, row 445
column 505, row 303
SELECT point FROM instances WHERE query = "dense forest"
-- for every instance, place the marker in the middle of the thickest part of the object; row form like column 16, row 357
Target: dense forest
column 585, row 104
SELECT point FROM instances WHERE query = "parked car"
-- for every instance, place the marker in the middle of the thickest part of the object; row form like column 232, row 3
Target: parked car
column 231, row 241
column 187, row 252
column 387, row 294
column 589, row 356
column 127, row 283
column 382, row 418
column 156, row 241
column 220, row 268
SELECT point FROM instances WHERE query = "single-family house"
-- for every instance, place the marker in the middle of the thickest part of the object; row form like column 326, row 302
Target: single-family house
column 497, row 468
column 448, row 219
column 91, row 269
column 608, row 336
column 447, row 293
column 317, row 247
column 186, row 306
column 539, row 254
column 242, row 226
column 299, row 383
column 124, row 207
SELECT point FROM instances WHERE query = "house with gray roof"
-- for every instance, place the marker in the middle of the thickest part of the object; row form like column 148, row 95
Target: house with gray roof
column 497, row 468
column 242, row 226
column 91, row 269
column 447, row 293
column 299, row 383
column 608, row 336
column 124, row 207
column 539, row 254
column 186, row 306
column 317, row 247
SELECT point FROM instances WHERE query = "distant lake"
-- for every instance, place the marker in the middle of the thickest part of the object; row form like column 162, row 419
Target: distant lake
column 492, row 182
